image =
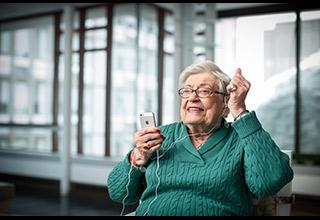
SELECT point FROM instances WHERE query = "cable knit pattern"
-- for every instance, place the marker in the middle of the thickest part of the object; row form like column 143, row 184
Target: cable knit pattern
column 235, row 163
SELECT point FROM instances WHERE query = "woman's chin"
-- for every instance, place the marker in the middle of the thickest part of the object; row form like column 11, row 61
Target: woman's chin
column 192, row 121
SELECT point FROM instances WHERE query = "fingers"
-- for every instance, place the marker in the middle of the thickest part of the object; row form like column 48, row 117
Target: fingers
column 238, row 82
column 150, row 139
column 142, row 155
column 148, row 130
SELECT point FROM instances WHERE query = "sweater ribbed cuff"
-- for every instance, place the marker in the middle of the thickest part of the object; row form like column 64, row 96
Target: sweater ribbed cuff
column 247, row 125
column 135, row 170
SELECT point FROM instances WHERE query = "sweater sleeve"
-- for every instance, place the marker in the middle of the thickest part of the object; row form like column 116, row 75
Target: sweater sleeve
column 120, row 188
column 267, row 169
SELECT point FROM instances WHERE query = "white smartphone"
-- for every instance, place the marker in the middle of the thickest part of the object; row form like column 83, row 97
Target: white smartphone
column 147, row 119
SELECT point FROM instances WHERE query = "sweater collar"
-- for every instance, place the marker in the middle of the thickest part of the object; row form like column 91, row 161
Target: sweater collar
column 212, row 141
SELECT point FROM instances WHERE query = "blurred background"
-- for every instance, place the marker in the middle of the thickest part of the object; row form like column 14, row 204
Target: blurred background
column 74, row 76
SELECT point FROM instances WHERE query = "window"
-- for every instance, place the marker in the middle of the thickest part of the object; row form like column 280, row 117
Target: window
column 115, row 74
column 134, row 71
column 310, row 82
column 265, row 47
column 26, row 83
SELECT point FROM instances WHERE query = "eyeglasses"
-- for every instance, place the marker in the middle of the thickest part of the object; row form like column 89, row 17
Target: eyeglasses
column 201, row 92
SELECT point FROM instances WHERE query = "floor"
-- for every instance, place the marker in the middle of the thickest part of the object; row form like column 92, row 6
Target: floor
column 44, row 204
column 43, row 199
column 41, row 204
column 35, row 197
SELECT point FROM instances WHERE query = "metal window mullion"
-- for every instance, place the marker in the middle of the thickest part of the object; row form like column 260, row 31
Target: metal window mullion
column 55, row 92
column 32, row 85
column 80, row 134
column 298, row 95
column 137, row 57
column 161, row 34
column 11, row 88
column 108, row 80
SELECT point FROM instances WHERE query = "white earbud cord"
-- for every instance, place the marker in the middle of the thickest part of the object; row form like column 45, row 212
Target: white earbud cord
column 127, row 189
column 158, row 159
column 158, row 166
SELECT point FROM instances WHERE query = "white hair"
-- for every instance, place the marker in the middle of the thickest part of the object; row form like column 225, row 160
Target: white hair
column 206, row 66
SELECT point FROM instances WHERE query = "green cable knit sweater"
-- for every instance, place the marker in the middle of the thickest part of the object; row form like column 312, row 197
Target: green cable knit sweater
column 238, row 161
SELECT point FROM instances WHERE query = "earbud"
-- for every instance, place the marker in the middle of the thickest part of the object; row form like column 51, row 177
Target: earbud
column 225, row 103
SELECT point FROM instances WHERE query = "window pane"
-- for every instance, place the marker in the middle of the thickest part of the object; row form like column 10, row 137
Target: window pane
column 42, row 112
column 5, row 63
column 22, row 52
column 263, row 46
column 168, row 44
column 134, row 73
column 94, row 103
column 310, row 82
column 20, row 139
column 96, row 17
column 124, row 79
column 169, row 77
column 41, row 140
column 147, row 78
column 75, row 21
column 4, row 138
column 96, row 39
column 5, row 42
column 4, row 101
column 5, row 58
column 22, row 43
column 169, row 90
column 75, row 42
column 169, row 23
column 21, row 102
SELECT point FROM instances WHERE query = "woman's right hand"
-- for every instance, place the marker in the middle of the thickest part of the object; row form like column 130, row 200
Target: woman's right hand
column 147, row 141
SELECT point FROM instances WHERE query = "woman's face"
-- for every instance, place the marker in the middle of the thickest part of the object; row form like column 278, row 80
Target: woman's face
column 203, row 112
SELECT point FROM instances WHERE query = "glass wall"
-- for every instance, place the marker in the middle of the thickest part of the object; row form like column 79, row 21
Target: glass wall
column 264, row 48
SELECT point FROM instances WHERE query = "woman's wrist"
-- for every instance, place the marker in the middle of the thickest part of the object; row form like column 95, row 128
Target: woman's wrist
column 140, row 167
column 239, row 115
column 132, row 160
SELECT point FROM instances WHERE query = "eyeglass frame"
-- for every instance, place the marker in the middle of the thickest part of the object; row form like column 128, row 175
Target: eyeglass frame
column 196, row 91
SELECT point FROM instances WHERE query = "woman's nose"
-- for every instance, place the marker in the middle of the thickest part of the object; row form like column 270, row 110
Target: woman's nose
column 193, row 97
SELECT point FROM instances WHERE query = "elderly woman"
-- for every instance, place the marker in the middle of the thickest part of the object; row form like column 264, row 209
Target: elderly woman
column 202, row 165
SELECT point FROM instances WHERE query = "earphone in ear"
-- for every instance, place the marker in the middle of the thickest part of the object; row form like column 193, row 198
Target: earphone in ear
column 225, row 103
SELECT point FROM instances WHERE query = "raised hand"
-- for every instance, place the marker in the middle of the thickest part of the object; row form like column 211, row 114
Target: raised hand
column 238, row 89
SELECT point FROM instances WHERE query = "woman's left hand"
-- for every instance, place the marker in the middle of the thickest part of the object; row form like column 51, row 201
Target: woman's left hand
column 238, row 89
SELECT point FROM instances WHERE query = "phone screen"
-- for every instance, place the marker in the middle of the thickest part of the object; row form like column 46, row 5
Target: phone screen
column 147, row 119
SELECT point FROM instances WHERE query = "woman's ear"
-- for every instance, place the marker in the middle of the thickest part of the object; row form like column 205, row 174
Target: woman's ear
column 226, row 109
column 225, row 112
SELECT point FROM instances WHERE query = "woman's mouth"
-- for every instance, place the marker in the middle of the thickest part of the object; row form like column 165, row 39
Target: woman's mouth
column 195, row 109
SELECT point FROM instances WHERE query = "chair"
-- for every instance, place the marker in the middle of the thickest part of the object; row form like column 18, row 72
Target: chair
column 278, row 205
column 7, row 191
